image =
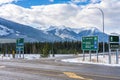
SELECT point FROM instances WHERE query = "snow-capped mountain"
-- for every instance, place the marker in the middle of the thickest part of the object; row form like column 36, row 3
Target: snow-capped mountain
column 75, row 33
column 4, row 31
column 63, row 32
column 27, row 32
column 9, row 29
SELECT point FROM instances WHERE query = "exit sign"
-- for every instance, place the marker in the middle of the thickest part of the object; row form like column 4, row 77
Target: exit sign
column 90, row 43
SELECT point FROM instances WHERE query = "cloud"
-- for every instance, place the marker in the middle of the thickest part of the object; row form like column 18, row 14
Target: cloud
column 95, row 1
column 51, row 0
column 85, row 1
column 6, row 1
column 70, row 15
column 78, row 1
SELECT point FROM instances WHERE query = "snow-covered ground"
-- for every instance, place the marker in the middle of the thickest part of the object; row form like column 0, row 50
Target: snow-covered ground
column 26, row 56
column 32, row 56
column 4, row 58
column 101, row 60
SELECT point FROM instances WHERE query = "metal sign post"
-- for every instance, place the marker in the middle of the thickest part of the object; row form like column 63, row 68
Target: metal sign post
column 83, row 55
column 23, row 54
column 117, row 57
column 97, row 55
column 90, row 55
column 109, row 56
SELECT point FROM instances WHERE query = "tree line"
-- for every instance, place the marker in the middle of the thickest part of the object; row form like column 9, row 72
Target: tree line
column 46, row 48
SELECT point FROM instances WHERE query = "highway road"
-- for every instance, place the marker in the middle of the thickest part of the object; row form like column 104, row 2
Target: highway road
column 52, row 69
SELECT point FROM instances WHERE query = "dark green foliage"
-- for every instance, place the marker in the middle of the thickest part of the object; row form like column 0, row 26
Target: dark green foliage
column 47, row 48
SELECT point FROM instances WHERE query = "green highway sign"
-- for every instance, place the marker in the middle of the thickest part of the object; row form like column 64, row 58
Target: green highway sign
column 114, row 42
column 19, row 48
column 90, row 43
column 114, row 39
column 20, row 44
column 114, row 45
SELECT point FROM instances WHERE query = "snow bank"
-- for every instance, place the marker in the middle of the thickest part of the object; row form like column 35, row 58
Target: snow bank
column 4, row 58
column 102, row 60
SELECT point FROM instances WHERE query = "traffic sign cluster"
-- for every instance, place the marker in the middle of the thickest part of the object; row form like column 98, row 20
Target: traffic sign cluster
column 90, row 43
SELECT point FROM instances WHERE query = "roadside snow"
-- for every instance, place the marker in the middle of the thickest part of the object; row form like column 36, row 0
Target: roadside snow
column 32, row 56
column 102, row 60
column 4, row 58
column 26, row 56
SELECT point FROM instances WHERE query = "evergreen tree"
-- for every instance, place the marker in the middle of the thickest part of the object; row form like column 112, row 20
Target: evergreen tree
column 45, row 50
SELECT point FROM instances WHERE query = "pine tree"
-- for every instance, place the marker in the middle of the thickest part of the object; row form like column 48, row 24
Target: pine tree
column 45, row 50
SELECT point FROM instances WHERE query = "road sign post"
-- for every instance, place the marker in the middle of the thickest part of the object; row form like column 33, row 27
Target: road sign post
column 97, row 55
column 109, row 56
column 89, row 43
column 117, row 57
column 113, row 45
column 114, row 42
column 83, row 55
column 20, row 46
column 90, row 55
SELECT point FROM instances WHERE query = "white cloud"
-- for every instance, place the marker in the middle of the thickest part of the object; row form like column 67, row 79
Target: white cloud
column 51, row 0
column 78, row 1
column 70, row 15
column 6, row 1
column 95, row 1
column 85, row 1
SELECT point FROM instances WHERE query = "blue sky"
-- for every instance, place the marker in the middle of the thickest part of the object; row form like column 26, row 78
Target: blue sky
column 29, row 3
column 70, row 13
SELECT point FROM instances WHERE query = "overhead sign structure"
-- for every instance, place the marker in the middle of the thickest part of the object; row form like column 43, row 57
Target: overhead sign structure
column 90, row 43
column 114, row 42
column 20, row 44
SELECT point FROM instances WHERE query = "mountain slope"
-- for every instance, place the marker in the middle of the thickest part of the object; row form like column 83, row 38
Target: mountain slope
column 63, row 32
column 9, row 29
column 26, row 32
column 93, row 32
column 76, row 33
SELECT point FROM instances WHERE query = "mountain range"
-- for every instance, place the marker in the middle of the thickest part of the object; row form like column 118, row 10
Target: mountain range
column 13, row 30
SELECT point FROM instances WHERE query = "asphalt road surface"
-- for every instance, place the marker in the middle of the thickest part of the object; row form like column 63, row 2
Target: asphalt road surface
column 52, row 69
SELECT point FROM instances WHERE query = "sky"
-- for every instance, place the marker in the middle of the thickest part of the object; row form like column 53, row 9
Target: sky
column 69, row 13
